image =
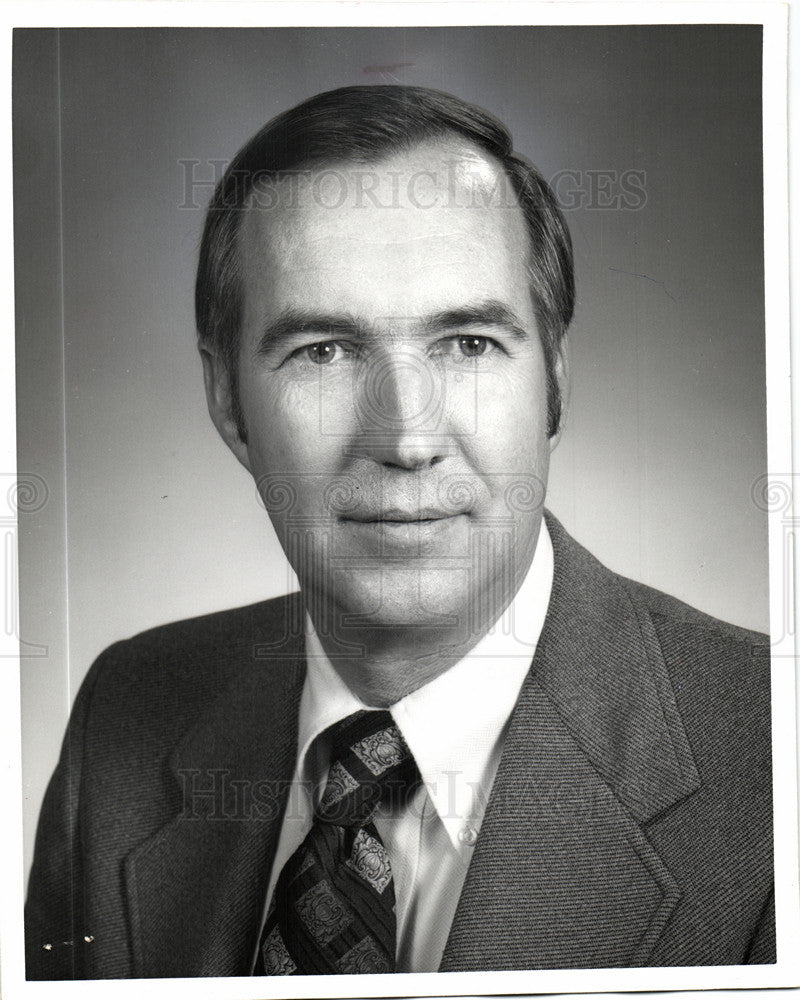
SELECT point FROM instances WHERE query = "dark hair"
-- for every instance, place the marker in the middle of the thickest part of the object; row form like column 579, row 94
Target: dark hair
column 366, row 124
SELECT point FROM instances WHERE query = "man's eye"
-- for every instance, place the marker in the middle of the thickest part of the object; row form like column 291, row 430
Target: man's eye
column 472, row 347
column 324, row 352
column 466, row 346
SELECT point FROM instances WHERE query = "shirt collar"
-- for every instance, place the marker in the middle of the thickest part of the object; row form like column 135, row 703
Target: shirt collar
column 454, row 724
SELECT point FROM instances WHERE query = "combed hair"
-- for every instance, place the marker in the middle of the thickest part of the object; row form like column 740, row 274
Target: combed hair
column 364, row 125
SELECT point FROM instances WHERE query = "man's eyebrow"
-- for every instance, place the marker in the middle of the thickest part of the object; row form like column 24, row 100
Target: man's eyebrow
column 489, row 313
column 294, row 322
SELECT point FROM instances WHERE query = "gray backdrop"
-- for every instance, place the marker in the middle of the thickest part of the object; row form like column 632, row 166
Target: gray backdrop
column 652, row 136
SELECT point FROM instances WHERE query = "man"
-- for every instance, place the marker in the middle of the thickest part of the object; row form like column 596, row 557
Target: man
column 465, row 744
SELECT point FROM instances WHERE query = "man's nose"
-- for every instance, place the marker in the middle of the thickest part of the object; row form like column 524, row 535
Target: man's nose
column 401, row 411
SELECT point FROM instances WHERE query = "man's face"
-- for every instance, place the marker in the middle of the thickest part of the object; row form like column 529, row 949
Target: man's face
column 393, row 385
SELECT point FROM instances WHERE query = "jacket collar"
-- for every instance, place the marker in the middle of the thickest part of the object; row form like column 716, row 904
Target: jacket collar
column 600, row 663
column 563, row 875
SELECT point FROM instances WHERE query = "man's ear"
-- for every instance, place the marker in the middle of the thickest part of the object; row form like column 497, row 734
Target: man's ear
column 219, row 397
column 561, row 371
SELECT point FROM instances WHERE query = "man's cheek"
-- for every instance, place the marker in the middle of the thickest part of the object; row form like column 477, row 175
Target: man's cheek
column 295, row 501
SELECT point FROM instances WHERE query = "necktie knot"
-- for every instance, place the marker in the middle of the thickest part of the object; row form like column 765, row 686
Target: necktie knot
column 370, row 763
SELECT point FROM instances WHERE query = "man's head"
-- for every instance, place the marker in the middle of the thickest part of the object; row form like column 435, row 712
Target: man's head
column 382, row 296
column 364, row 125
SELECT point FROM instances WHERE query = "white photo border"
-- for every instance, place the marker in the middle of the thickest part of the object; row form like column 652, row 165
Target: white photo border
column 774, row 18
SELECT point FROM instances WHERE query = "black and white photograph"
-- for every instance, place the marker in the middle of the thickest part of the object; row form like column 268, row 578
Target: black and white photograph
column 403, row 506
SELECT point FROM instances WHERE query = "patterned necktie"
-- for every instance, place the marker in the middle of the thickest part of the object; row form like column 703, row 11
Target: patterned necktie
column 333, row 909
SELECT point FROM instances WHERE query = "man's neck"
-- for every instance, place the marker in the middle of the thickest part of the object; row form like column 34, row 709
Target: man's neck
column 381, row 666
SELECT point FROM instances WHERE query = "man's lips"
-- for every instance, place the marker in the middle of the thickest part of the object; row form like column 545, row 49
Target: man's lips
column 423, row 515
column 401, row 529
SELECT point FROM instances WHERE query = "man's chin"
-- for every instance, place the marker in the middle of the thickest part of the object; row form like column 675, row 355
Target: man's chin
column 434, row 599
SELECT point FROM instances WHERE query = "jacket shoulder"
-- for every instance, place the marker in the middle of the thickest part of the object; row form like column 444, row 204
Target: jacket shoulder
column 602, row 585
column 672, row 613
column 261, row 620
column 720, row 672
column 221, row 637
column 166, row 675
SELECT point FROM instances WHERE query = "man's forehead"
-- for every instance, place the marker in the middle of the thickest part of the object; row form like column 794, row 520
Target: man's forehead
column 439, row 180
column 411, row 235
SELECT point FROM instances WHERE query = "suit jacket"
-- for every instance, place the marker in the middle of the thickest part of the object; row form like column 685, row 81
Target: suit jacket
column 630, row 822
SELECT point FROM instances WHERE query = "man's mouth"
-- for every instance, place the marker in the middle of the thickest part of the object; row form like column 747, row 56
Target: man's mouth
column 423, row 515
column 401, row 528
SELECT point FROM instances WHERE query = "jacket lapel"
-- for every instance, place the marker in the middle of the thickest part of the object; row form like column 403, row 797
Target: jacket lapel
column 563, row 875
column 196, row 888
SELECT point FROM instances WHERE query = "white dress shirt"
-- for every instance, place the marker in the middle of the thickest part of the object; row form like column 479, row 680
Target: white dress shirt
column 455, row 726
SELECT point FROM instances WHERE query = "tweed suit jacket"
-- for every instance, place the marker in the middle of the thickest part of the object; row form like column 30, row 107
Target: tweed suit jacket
column 630, row 822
